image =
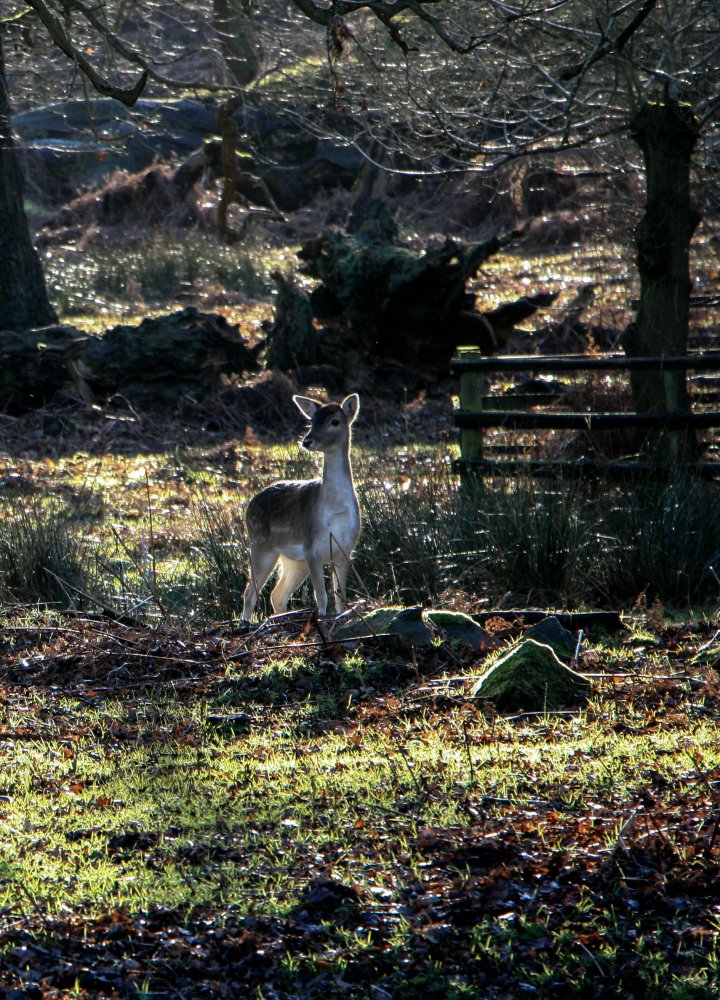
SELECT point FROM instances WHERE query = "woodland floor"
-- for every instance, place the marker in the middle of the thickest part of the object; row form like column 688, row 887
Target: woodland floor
column 217, row 814
column 194, row 811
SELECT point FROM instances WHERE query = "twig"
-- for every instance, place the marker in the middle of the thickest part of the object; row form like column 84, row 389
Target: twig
column 707, row 644
column 107, row 611
column 41, row 628
column 626, row 825
column 590, row 956
column 471, row 766
column 576, row 655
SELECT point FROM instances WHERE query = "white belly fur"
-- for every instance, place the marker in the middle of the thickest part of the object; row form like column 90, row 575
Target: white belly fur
column 335, row 539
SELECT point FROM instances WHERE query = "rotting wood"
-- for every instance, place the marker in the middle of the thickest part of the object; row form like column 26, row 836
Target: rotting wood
column 609, row 621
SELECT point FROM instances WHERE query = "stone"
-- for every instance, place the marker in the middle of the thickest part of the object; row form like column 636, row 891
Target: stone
column 550, row 632
column 458, row 627
column 392, row 625
column 531, row 678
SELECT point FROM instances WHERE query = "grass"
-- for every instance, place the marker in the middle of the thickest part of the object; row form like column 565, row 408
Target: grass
column 501, row 841
column 175, row 786
column 154, row 272
column 163, row 535
column 42, row 559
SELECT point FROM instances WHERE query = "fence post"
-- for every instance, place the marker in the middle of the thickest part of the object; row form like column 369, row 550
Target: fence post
column 673, row 404
column 472, row 386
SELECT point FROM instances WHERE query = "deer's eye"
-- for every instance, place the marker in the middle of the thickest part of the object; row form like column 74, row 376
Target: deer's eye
column 335, row 423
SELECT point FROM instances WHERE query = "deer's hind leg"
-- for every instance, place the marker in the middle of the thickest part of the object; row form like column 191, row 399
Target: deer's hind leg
column 262, row 563
column 292, row 574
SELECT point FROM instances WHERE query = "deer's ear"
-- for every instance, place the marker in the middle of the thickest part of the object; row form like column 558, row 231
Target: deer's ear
column 308, row 407
column 351, row 406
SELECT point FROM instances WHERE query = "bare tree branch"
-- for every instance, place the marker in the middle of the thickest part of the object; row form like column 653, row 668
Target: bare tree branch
column 122, row 48
column 385, row 11
column 613, row 45
column 58, row 34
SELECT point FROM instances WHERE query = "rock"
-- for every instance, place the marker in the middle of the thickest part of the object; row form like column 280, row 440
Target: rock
column 63, row 150
column 453, row 625
column 326, row 899
column 530, row 677
column 413, row 627
column 393, row 626
column 550, row 632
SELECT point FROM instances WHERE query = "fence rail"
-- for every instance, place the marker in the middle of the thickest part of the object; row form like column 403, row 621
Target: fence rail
column 708, row 360
column 533, row 411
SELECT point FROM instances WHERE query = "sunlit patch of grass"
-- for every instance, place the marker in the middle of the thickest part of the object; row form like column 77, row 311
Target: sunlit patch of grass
column 119, row 280
column 149, row 803
column 296, row 763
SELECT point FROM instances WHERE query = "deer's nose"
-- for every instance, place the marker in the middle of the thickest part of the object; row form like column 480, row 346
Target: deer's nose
column 307, row 441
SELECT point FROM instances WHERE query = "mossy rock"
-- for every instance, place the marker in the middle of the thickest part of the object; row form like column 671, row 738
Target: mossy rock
column 551, row 633
column 530, row 677
column 392, row 625
column 454, row 625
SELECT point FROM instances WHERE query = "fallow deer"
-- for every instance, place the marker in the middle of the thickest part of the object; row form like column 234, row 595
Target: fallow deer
column 307, row 525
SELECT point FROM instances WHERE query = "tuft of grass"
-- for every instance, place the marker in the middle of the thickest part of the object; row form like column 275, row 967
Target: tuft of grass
column 222, row 544
column 175, row 553
column 42, row 560
column 538, row 540
column 406, row 539
column 568, row 541
column 664, row 539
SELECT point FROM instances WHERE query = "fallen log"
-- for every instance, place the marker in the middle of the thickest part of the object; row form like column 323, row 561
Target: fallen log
column 153, row 364
column 379, row 300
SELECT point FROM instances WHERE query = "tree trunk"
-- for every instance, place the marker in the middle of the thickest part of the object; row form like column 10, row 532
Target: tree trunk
column 666, row 134
column 233, row 23
column 24, row 301
column 155, row 364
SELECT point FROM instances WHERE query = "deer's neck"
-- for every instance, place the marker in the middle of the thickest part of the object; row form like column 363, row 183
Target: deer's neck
column 337, row 483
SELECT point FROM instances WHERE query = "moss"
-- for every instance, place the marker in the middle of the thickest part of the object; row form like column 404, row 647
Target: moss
column 394, row 625
column 531, row 677
column 454, row 625
column 551, row 633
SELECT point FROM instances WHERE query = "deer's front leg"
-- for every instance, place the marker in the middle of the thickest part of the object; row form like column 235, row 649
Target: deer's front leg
column 339, row 574
column 317, row 575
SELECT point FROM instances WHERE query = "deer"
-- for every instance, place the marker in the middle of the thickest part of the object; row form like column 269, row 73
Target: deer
column 307, row 525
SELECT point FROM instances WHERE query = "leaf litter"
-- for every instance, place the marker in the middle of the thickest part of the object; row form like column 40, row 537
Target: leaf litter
column 452, row 883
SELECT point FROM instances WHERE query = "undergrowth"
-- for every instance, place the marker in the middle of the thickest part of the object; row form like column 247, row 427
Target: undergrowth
column 424, row 535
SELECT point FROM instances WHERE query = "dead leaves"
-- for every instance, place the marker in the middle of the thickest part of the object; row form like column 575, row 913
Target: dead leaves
column 549, row 887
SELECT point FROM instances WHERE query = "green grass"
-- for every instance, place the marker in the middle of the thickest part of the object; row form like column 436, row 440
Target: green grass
column 182, row 770
column 166, row 817
column 231, row 804
column 157, row 271
column 42, row 558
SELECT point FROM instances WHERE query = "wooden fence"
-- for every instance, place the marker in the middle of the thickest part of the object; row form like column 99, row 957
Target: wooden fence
column 517, row 411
